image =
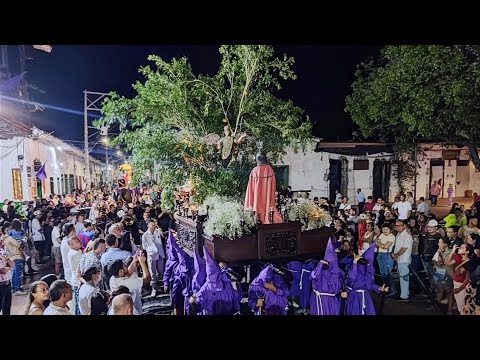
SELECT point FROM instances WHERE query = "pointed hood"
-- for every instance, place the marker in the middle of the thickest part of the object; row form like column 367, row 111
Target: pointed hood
column 369, row 254
column 181, row 255
column 171, row 247
column 266, row 275
column 330, row 254
column 200, row 275
column 214, row 272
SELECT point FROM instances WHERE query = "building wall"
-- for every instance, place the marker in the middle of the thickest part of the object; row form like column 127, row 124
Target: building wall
column 57, row 162
column 430, row 152
column 310, row 171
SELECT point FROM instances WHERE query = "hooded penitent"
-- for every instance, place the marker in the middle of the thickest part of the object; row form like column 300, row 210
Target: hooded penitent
column 218, row 296
column 183, row 273
column 172, row 259
column 359, row 284
column 275, row 302
column 326, row 284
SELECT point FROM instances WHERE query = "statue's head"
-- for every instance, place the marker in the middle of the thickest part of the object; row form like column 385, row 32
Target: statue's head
column 261, row 158
column 227, row 131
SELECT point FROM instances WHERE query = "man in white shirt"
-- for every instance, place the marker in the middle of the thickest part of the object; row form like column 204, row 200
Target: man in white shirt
column 423, row 207
column 345, row 205
column 37, row 233
column 402, row 255
column 74, row 256
column 119, row 272
column 378, row 206
column 79, row 226
column 56, row 242
column 152, row 244
column 61, row 293
column 338, row 197
column 403, row 209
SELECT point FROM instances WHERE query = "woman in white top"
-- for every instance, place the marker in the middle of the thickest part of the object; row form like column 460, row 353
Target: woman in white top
column 385, row 243
column 37, row 295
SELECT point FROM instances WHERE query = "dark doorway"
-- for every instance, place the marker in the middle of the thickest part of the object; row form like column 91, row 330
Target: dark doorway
column 381, row 179
column 39, row 189
column 281, row 175
column 335, row 178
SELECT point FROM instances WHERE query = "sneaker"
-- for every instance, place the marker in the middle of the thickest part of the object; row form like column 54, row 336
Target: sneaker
column 154, row 293
column 20, row 292
column 400, row 299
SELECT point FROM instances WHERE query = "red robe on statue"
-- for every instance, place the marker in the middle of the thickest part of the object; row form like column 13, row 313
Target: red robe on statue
column 261, row 194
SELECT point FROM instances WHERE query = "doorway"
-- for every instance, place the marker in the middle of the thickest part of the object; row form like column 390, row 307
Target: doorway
column 381, row 179
column 436, row 174
column 338, row 178
column 39, row 189
column 463, row 178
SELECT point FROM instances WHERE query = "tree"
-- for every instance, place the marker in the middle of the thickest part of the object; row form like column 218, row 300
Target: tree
column 175, row 112
column 419, row 92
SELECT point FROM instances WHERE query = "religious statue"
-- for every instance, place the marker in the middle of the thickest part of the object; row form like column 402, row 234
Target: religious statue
column 260, row 195
column 228, row 146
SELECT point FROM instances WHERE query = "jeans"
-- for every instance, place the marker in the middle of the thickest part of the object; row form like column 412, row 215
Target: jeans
column 430, row 270
column 434, row 199
column 416, row 263
column 404, row 274
column 385, row 264
column 17, row 274
column 5, row 299
column 156, row 268
column 77, row 305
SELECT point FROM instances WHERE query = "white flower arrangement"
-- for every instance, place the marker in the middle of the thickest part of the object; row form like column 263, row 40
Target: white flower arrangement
column 311, row 215
column 226, row 218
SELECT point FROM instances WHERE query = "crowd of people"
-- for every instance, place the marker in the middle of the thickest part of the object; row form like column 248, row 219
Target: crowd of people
column 100, row 245
column 109, row 253
column 408, row 237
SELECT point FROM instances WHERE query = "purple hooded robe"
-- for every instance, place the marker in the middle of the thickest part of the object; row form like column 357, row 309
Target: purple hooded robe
column 301, row 283
column 359, row 284
column 198, row 279
column 326, row 285
column 275, row 303
column 183, row 274
column 171, row 274
column 218, row 296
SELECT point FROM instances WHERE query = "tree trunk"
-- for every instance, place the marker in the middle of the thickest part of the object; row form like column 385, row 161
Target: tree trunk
column 473, row 147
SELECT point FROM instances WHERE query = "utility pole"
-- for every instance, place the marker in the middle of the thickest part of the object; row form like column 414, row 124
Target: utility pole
column 91, row 102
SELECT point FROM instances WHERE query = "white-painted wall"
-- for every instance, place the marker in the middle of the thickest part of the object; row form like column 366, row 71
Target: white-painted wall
column 309, row 171
column 450, row 171
column 48, row 154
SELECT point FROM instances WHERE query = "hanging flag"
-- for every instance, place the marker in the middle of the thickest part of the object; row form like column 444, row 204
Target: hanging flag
column 46, row 48
column 41, row 174
column 10, row 85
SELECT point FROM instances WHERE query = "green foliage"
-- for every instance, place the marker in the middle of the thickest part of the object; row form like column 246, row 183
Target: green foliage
column 174, row 110
column 419, row 92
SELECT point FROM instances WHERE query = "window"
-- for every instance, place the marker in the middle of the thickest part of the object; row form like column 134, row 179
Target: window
column 360, row 164
column 52, row 189
column 72, row 183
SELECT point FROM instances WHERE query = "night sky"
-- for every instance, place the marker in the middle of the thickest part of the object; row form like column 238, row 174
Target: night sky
column 325, row 74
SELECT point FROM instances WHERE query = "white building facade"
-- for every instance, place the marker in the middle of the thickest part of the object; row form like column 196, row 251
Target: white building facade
column 446, row 164
column 340, row 166
column 21, row 156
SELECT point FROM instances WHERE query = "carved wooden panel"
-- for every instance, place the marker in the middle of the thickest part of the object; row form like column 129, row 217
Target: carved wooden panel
column 281, row 243
column 186, row 237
